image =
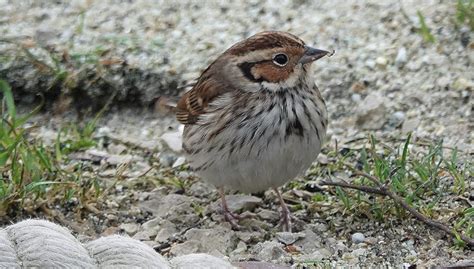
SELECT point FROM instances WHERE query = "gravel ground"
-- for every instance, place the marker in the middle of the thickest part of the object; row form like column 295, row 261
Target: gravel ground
column 383, row 78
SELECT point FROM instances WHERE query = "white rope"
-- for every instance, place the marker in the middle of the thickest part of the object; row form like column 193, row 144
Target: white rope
column 43, row 244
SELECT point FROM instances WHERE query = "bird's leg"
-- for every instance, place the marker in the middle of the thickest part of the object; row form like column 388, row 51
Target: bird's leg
column 228, row 216
column 285, row 213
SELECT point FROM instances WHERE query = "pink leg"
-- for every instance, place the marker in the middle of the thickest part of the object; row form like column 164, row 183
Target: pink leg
column 228, row 216
column 285, row 213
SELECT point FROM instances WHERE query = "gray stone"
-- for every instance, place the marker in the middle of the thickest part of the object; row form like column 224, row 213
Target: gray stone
column 371, row 113
column 143, row 236
column 399, row 115
column 167, row 160
column 269, row 251
column 200, row 261
column 130, row 228
column 269, row 215
column 401, row 57
column 240, row 203
column 358, row 238
column 187, row 247
column 152, row 226
column 248, row 237
column 217, row 238
column 241, row 249
column 167, row 229
column 288, row 238
column 201, row 189
column 174, row 207
column 116, row 148
column 311, row 241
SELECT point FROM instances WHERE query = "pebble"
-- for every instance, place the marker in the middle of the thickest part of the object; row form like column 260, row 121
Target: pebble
column 358, row 238
column 399, row 115
column 152, row 226
column 371, row 113
column 166, row 230
column 167, row 160
column 401, row 57
column 269, row 251
column 381, row 62
column 180, row 161
column 356, row 97
column 130, row 228
column 238, row 203
column 288, row 238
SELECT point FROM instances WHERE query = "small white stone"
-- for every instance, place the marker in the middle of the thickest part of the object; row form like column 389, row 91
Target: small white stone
column 401, row 58
column 399, row 115
column 370, row 64
column 180, row 161
column 356, row 97
column 381, row 62
column 130, row 228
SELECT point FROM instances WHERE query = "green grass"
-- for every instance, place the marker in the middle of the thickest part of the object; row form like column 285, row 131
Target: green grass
column 465, row 13
column 424, row 30
column 32, row 172
column 426, row 179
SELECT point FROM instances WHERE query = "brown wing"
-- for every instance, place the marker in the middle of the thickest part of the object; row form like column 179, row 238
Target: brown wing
column 194, row 102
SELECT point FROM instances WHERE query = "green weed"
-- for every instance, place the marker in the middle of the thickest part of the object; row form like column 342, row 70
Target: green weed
column 424, row 178
column 424, row 30
column 31, row 171
column 465, row 13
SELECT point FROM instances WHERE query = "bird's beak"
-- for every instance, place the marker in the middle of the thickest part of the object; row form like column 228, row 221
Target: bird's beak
column 312, row 54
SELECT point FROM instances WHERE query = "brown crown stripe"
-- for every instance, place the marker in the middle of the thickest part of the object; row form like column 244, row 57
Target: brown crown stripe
column 265, row 41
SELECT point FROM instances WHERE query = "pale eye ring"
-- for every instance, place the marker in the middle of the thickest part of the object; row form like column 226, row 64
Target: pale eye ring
column 280, row 59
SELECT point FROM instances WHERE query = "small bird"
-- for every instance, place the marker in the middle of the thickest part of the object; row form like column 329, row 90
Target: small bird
column 255, row 119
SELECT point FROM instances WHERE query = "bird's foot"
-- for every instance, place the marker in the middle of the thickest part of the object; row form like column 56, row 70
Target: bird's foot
column 234, row 218
column 231, row 217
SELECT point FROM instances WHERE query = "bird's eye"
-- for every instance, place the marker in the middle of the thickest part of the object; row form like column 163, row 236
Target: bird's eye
column 280, row 59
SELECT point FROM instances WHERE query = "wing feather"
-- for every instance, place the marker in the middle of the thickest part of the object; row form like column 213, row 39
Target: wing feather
column 194, row 102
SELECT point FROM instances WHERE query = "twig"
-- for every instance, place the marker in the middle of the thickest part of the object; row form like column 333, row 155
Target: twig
column 383, row 190
column 355, row 187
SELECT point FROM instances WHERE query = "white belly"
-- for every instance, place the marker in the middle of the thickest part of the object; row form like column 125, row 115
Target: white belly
column 274, row 167
column 257, row 154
